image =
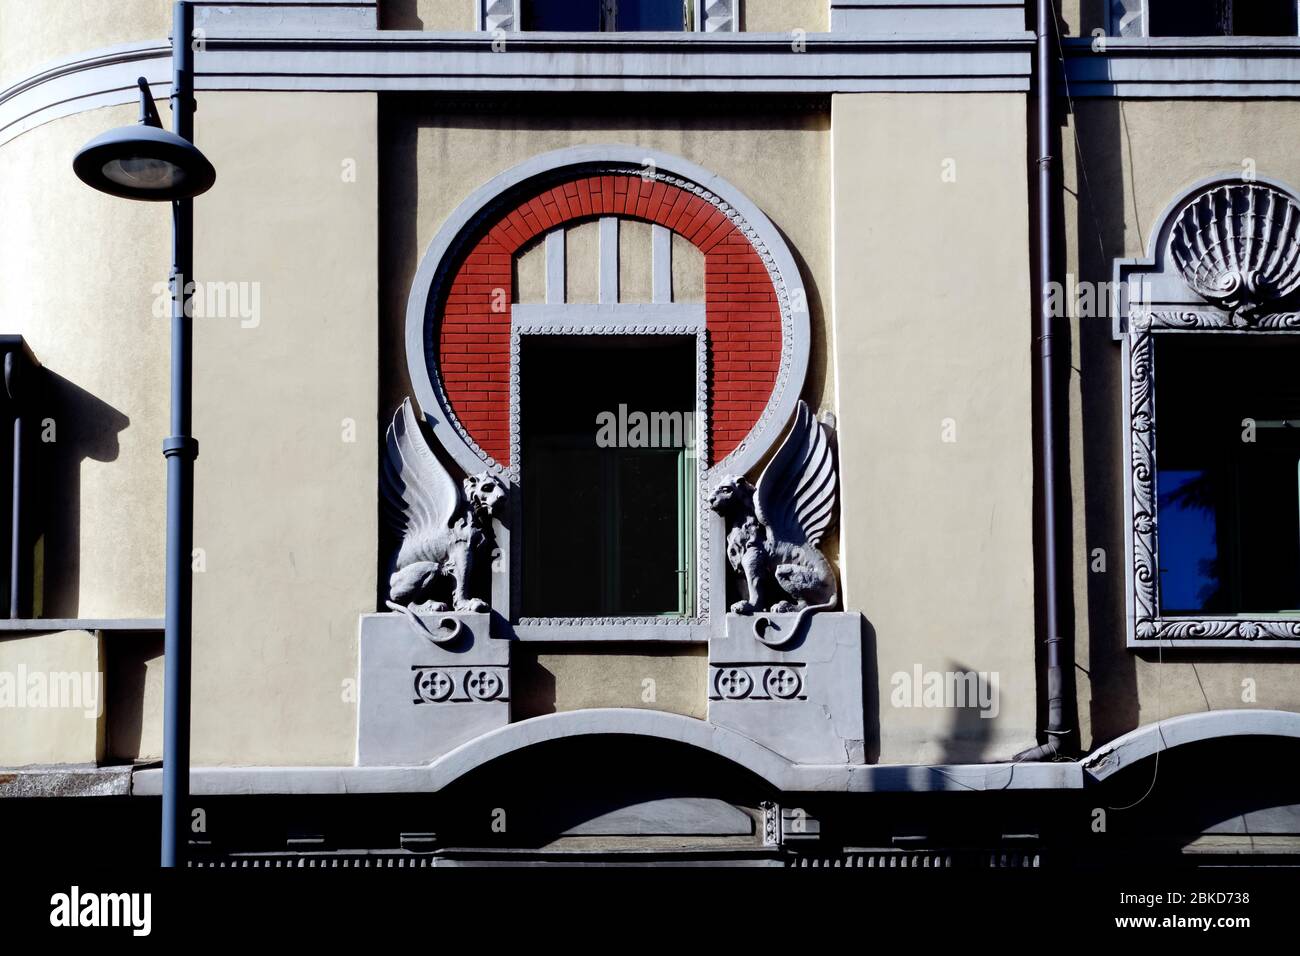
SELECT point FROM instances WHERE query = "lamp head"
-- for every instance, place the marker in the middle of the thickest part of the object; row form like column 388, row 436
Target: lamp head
column 144, row 161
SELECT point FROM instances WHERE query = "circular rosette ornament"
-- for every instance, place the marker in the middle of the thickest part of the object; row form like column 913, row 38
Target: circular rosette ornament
column 1237, row 245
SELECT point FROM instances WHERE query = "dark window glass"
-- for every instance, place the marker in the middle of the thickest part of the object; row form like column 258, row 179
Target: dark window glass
column 1264, row 18
column 606, row 525
column 651, row 15
column 1206, row 18
column 1228, row 480
column 571, row 15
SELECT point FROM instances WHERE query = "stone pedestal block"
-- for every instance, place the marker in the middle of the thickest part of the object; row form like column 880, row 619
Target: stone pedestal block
column 804, row 700
column 422, row 695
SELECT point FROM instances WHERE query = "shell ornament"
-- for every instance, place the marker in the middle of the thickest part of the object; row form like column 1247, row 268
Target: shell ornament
column 1238, row 246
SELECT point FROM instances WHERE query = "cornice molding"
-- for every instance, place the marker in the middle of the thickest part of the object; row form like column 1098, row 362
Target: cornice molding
column 414, row 61
column 1183, row 67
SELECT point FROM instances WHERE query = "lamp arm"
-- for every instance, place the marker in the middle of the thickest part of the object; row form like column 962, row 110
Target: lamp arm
column 148, row 109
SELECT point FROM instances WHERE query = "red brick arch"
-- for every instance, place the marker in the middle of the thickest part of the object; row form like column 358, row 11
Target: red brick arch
column 743, row 316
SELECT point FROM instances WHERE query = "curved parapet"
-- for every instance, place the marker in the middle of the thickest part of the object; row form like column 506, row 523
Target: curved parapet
column 1145, row 741
column 771, row 767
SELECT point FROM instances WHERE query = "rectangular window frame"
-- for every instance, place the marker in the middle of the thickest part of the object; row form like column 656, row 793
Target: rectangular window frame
column 680, row 319
column 706, row 16
column 1148, row 626
column 1130, row 18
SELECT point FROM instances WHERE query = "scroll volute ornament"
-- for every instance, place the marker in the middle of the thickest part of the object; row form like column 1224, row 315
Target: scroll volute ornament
column 1237, row 245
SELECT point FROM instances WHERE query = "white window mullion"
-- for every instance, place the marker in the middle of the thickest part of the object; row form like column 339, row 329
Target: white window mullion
column 661, row 264
column 555, row 275
column 608, row 260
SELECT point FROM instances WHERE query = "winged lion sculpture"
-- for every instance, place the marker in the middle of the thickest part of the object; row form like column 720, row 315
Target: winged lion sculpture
column 774, row 529
column 444, row 527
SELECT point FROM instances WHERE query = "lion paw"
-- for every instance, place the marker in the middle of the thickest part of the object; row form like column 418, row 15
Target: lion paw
column 742, row 607
column 784, row 607
column 472, row 606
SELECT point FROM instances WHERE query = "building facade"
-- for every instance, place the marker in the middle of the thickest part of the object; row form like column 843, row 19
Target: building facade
column 622, row 433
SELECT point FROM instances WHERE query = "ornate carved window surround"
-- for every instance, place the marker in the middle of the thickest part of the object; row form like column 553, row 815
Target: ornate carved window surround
column 707, row 16
column 1153, row 299
column 710, row 213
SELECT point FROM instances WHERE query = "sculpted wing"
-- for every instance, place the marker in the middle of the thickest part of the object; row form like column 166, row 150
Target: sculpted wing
column 419, row 496
column 796, row 494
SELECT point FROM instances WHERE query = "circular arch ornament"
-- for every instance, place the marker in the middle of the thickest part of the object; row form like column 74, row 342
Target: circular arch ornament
column 501, row 198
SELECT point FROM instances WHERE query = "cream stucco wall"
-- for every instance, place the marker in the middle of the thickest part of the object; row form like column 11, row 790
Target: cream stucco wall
column 286, row 508
column 428, row 14
column 34, row 32
column 79, row 274
column 552, row 680
column 51, row 698
column 1137, row 156
column 784, row 16
column 932, row 323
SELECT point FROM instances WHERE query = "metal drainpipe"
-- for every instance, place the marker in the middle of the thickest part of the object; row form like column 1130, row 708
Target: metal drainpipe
column 1055, row 730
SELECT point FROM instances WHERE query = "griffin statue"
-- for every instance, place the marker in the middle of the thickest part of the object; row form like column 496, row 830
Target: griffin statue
column 444, row 529
column 774, row 529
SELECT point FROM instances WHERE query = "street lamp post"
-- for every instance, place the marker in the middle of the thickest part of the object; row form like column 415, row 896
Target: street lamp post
column 146, row 162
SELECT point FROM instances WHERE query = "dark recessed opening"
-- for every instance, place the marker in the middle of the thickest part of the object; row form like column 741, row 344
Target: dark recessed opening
column 608, row 506
column 1228, row 479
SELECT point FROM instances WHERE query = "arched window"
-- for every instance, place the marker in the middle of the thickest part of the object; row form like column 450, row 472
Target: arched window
column 608, row 331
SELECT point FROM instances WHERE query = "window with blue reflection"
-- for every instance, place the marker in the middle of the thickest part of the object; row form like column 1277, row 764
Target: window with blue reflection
column 665, row 15
column 1228, row 479
column 1190, row 578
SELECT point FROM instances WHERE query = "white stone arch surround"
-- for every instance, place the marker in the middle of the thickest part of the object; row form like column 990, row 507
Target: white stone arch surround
column 1151, row 739
column 443, row 251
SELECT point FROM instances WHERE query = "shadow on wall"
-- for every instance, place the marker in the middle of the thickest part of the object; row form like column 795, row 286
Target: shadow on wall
column 870, row 693
column 1091, row 359
column 128, row 657
column 82, row 427
column 970, row 731
column 400, row 15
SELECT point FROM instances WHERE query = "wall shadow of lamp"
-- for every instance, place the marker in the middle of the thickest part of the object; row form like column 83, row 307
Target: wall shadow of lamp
column 146, row 162
column 19, row 400
column 68, row 427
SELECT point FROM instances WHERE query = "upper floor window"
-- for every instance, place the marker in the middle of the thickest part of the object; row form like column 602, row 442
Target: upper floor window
column 1228, row 482
column 605, row 15
column 1211, row 334
column 1210, row 18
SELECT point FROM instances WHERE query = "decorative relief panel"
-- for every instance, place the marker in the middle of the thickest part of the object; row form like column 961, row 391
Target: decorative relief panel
column 459, row 685
column 499, row 15
column 718, row 16
column 1237, row 245
column 1225, row 260
column 757, row 682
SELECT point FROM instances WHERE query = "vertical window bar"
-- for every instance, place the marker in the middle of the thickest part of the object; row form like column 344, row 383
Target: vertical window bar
column 555, row 277
column 609, row 259
column 662, row 264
